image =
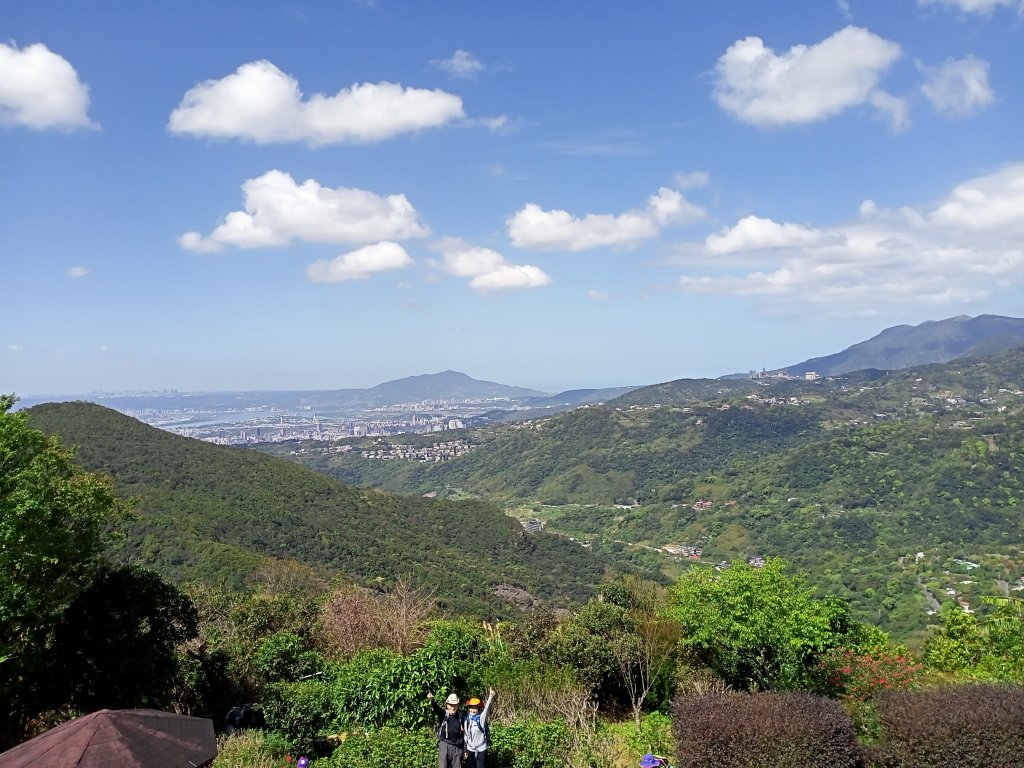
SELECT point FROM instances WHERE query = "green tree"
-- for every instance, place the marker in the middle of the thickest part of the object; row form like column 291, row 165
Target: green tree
column 757, row 628
column 115, row 647
column 52, row 518
column 992, row 649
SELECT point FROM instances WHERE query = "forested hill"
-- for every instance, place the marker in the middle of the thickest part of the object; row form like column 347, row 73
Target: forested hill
column 847, row 478
column 214, row 513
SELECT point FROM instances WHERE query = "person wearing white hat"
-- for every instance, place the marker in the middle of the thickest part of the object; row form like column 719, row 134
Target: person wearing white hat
column 451, row 731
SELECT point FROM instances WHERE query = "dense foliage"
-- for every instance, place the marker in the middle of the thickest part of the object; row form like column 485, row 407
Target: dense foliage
column 218, row 514
column 76, row 633
column 897, row 491
column 759, row 628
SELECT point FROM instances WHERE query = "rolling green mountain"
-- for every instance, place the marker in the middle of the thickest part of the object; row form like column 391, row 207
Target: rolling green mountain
column 214, row 513
column 847, row 477
column 931, row 342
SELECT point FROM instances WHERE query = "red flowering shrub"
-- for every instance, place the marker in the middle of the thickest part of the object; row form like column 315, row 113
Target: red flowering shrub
column 859, row 674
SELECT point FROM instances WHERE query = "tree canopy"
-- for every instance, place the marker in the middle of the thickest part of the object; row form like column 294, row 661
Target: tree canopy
column 757, row 628
column 52, row 518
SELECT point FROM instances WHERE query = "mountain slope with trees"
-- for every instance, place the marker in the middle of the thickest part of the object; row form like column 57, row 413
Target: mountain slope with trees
column 849, row 478
column 216, row 514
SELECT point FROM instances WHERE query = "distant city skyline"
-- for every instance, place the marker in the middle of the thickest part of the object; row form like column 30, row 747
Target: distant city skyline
column 322, row 195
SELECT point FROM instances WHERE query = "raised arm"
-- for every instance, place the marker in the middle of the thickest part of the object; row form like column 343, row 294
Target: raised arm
column 487, row 706
column 438, row 712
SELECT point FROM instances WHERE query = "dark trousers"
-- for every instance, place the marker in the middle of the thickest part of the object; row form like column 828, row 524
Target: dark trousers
column 478, row 759
column 448, row 755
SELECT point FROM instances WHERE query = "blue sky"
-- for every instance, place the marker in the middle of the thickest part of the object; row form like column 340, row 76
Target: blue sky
column 313, row 195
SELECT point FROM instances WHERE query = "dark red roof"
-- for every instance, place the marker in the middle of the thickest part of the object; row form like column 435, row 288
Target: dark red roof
column 120, row 738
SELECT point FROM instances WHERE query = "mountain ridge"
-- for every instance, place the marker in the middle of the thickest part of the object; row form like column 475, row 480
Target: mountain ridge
column 933, row 341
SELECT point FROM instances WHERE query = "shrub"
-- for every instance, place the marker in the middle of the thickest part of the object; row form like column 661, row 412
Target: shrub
column 248, row 749
column 353, row 619
column 756, row 628
column 971, row 725
column 782, row 730
column 302, row 711
column 534, row 690
column 282, row 657
column 860, row 674
column 654, row 735
column 387, row 748
column 528, row 744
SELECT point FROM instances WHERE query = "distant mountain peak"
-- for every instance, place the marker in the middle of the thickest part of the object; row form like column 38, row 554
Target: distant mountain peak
column 933, row 341
column 447, row 384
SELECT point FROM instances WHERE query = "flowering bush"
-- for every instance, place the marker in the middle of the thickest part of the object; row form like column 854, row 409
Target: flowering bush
column 859, row 674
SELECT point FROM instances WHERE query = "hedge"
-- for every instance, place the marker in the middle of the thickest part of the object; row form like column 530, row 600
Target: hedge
column 969, row 726
column 752, row 730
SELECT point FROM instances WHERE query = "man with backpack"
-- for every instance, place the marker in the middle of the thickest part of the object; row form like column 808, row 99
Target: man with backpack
column 451, row 736
column 478, row 731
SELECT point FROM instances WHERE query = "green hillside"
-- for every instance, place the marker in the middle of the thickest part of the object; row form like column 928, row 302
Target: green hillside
column 215, row 513
column 850, row 478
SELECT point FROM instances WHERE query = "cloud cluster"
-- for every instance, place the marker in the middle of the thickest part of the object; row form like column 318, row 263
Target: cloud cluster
column 958, row 250
column 487, row 269
column 806, row 83
column 534, row 227
column 360, row 263
column 278, row 211
column 959, row 87
column 260, row 103
column 40, row 89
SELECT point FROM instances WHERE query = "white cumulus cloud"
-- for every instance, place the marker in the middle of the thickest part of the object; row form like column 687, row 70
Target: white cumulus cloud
column 360, row 263
column 983, row 7
column 508, row 276
column 753, row 233
column 958, row 250
column 488, row 269
column 534, row 227
column 278, row 211
column 805, row 84
column 260, row 103
column 462, row 64
column 959, row 87
column 992, row 205
column 40, row 89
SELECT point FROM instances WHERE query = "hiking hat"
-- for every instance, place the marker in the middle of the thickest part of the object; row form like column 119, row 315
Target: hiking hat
column 474, row 702
column 650, row 761
column 452, row 699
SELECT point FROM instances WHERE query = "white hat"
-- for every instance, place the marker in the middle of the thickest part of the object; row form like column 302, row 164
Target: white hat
column 452, row 699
